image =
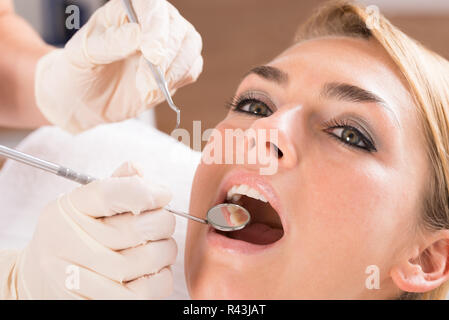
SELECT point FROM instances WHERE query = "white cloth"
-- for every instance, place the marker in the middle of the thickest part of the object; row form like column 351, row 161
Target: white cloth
column 25, row 190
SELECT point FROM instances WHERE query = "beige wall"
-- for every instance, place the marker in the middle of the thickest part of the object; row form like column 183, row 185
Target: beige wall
column 238, row 35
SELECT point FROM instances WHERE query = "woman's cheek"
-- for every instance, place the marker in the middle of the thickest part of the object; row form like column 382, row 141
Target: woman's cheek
column 352, row 200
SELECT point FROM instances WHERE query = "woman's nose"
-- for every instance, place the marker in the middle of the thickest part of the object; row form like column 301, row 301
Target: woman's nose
column 271, row 134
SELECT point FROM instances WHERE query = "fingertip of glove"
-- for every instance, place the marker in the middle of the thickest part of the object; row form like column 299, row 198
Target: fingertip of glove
column 197, row 68
column 157, row 195
column 153, row 52
column 161, row 194
column 121, row 194
column 128, row 169
column 127, row 36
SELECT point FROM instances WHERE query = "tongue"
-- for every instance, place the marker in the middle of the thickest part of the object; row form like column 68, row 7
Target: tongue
column 258, row 233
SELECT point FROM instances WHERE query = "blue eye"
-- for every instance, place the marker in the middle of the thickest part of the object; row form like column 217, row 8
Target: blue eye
column 253, row 107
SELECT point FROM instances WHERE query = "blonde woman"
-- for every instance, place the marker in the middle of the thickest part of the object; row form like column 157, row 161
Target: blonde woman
column 362, row 119
column 361, row 111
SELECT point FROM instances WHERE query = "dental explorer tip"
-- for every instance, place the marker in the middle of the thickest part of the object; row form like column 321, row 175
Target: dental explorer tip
column 178, row 118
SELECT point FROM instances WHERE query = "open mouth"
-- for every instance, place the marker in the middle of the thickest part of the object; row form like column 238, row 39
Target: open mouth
column 265, row 226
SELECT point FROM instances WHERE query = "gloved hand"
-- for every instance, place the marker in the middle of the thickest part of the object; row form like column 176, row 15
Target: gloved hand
column 101, row 76
column 88, row 245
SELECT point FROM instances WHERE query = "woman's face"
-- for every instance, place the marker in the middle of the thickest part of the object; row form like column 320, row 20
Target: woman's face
column 345, row 197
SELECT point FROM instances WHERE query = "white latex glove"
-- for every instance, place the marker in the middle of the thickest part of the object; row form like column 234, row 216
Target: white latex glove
column 88, row 245
column 101, row 76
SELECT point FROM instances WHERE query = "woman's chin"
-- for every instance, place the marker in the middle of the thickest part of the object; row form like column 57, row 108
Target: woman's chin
column 213, row 287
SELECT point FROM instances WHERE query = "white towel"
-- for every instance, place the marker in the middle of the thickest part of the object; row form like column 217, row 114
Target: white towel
column 25, row 190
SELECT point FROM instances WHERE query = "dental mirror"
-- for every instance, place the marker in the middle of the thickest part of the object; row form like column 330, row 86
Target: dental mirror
column 223, row 217
column 228, row 217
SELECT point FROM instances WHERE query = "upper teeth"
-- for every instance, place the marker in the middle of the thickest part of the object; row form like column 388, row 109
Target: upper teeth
column 237, row 191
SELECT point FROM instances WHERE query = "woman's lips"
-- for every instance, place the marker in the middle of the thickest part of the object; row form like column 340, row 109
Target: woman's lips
column 220, row 241
column 257, row 182
column 232, row 243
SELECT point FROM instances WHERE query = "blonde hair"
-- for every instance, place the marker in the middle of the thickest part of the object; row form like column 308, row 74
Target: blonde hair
column 427, row 75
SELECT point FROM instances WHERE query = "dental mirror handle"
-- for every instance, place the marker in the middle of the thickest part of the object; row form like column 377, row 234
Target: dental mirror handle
column 185, row 215
column 157, row 73
column 67, row 173
column 45, row 165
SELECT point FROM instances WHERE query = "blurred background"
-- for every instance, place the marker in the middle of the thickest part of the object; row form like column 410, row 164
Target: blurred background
column 237, row 35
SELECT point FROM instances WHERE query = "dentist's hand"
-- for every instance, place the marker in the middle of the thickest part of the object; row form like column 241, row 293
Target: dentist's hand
column 101, row 75
column 89, row 245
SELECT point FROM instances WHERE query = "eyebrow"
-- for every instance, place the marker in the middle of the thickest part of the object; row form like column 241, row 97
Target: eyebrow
column 270, row 73
column 337, row 90
column 352, row 93
column 340, row 91
column 348, row 92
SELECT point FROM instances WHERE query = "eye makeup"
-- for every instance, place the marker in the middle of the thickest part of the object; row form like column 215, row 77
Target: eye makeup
column 253, row 103
column 347, row 129
column 350, row 132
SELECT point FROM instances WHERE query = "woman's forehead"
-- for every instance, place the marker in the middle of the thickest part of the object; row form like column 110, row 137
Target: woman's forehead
column 363, row 63
column 351, row 57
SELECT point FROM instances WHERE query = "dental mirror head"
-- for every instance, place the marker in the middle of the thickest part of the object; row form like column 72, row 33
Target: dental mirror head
column 228, row 217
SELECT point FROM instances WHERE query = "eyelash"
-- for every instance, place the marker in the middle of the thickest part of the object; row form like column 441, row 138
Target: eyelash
column 238, row 102
column 343, row 124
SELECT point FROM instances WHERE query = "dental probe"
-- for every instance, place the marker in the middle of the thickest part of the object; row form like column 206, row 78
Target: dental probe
column 160, row 79
column 223, row 217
